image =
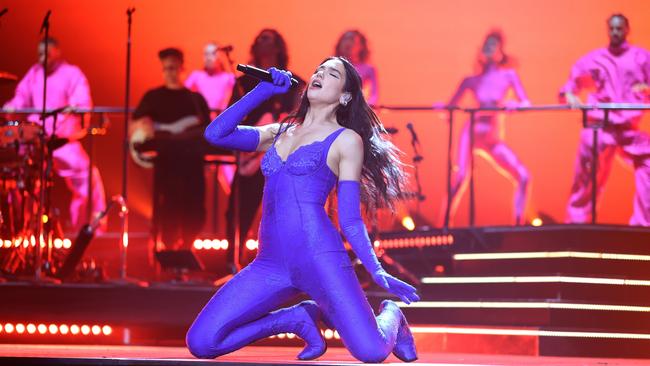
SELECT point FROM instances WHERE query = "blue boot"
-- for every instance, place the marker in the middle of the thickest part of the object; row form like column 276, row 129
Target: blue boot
column 404, row 344
column 301, row 320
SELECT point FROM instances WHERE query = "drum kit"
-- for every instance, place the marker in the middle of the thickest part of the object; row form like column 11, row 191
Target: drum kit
column 22, row 163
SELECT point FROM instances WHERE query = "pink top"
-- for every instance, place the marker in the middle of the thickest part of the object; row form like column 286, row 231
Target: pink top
column 215, row 88
column 491, row 86
column 612, row 78
column 66, row 86
column 369, row 82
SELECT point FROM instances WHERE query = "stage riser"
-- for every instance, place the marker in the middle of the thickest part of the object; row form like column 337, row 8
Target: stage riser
column 623, row 239
column 638, row 270
column 568, row 292
column 137, row 307
column 104, row 251
column 533, row 345
column 478, row 343
column 608, row 321
column 430, row 261
column 161, row 315
column 528, row 345
column 593, row 347
column 584, row 238
column 125, row 306
column 146, row 335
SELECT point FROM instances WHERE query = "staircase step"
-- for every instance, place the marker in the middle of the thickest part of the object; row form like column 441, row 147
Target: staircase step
column 533, row 341
column 531, row 314
column 567, row 262
column 556, row 287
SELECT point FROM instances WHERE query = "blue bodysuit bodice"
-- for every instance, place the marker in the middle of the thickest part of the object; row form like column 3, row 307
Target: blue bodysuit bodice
column 295, row 193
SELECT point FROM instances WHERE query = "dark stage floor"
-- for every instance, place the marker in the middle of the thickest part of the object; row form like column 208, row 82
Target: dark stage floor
column 24, row 355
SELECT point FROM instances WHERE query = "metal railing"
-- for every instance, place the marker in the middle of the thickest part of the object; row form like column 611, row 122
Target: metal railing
column 584, row 109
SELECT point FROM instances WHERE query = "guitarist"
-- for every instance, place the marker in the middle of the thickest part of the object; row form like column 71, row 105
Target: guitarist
column 175, row 118
column 268, row 50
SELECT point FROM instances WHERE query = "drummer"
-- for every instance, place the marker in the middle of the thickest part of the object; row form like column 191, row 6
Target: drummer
column 66, row 86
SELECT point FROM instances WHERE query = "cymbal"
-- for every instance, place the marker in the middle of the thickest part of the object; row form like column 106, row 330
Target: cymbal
column 7, row 78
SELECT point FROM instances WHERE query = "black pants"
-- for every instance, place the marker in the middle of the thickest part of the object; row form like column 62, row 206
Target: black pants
column 179, row 197
column 250, row 197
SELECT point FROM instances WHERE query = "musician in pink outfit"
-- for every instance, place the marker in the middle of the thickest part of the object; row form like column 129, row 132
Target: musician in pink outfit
column 489, row 87
column 67, row 86
column 353, row 45
column 619, row 73
column 213, row 82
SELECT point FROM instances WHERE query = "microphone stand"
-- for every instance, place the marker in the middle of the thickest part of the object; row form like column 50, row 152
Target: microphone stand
column 417, row 159
column 40, row 239
column 381, row 253
column 125, row 141
column 46, row 187
column 122, row 200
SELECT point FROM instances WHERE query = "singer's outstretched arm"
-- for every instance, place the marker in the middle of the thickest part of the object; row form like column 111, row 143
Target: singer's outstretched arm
column 225, row 131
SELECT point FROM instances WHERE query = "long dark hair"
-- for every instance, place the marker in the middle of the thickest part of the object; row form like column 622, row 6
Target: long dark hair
column 280, row 44
column 382, row 175
column 364, row 53
column 505, row 61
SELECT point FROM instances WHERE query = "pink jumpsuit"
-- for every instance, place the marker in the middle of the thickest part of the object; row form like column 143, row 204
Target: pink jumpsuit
column 489, row 89
column 614, row 78
column 66, row 86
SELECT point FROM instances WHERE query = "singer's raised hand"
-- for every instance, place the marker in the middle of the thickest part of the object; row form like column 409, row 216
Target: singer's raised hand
column 224, row 130
column 281, row 83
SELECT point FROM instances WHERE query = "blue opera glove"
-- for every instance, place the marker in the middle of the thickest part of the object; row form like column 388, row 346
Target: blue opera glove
column 224, row 130
column 351, row 223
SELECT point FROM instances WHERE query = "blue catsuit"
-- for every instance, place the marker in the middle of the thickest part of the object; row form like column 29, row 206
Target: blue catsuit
column 300, row 251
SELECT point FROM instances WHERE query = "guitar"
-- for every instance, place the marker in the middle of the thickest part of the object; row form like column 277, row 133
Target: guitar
column 144, row 131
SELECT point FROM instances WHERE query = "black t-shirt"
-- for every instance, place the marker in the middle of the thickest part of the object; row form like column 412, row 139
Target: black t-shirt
column 164, row 105
column 278, row 104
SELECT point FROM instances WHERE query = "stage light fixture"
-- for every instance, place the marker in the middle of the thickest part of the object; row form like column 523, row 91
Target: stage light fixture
column 408, row 223
column 107, row 330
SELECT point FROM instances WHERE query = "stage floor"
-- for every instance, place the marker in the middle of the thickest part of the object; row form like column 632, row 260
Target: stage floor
column 24, row 355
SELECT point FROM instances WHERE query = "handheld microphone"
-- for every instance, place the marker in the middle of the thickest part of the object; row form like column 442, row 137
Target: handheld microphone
column 261, row 74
